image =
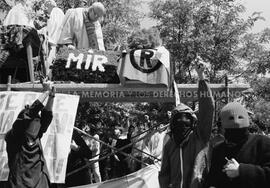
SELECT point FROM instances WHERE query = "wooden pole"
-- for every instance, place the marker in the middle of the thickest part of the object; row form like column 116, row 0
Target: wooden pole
column 227, row 89
column 29, row 52
column 121, row 78
column 114, row 150
column 9, row 83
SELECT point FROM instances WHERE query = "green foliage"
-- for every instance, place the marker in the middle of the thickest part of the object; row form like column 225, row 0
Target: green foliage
column 262, row 114
column 261, row 88
column 4, row 6
column 120, row 20
column 211, row 29
column 144, row 39
column 255, row 52
column 121, row 114
column 258, row 101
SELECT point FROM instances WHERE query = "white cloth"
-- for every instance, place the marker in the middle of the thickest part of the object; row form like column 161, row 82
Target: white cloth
column 74, row 31
column 95, row 148
column 54, row 24
column 138, row 145
column 52, row 34
column 135, row 66
column 147, row 177
column 163, row 55
column 18, row 16
column 155, row 145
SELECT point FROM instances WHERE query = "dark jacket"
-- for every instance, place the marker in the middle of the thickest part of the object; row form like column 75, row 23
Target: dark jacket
column 253, row 157
column 25, row 156
column 77, row 159
column 183, row 166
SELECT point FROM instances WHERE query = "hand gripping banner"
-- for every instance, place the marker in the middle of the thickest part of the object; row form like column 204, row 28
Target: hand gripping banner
column 55, row 142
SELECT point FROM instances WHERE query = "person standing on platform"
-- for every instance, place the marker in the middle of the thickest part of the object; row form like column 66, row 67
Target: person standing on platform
column 52, row 31
column 81, row 28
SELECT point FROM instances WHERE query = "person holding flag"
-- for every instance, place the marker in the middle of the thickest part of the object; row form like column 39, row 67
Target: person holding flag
column 184, row 160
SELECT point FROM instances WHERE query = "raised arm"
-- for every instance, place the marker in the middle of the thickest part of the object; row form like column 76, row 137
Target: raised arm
column 46, row 113
column 206, row 106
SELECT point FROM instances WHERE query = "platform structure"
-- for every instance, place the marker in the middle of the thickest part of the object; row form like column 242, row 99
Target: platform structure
column 133, row 92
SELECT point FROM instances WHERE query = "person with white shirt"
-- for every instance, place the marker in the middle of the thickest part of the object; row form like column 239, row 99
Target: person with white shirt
column 52, row 31
column 81, row 28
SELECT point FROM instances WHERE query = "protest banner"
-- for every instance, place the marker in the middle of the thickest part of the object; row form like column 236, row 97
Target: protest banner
column 55, row 142
column 150, row 66
column 145, row 178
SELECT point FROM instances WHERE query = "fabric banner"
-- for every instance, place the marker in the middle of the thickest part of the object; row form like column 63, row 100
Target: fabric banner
column 150, row 66
column 55, row 142
column 145, row 178
column 176, row 94
column 154, row 145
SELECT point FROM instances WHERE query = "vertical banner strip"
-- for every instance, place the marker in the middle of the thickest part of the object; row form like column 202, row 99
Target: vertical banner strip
column 176, row 94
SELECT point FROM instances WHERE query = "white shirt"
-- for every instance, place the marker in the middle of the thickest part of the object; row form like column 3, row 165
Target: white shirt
column 18, row 16
column 74, row 30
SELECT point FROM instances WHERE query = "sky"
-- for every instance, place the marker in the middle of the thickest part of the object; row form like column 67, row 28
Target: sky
column 251, row 6
column 258, row 6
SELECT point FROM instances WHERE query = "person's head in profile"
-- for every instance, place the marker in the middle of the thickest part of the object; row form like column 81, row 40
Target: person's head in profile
column 96, row 11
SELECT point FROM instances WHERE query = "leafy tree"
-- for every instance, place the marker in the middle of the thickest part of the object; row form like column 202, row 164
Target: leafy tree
column 4, row 8
column 255, row 53
column 258, row 101
column 120, row 20
column 211, row 29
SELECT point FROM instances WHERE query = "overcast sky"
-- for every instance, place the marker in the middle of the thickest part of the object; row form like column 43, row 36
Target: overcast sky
column 259, row 6
column 251, row 6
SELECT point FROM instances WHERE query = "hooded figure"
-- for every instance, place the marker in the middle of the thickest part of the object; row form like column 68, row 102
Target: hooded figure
column 184, row 159
column 25, row 154
column 235, row 121
column 243, row 159
column 182, row 123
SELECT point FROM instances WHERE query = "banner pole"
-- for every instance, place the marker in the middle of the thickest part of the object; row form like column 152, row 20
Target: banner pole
column 9, row 83
column 112, row 153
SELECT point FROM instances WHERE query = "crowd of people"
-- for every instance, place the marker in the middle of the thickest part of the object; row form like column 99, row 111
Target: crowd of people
column 189, row 152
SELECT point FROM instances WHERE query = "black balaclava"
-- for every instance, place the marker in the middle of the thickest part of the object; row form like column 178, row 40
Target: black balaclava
column 235, row 121
column 34, row 127
column 182, row 123
column 236, row 136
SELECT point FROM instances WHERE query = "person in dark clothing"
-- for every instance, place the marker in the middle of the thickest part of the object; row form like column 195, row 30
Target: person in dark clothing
column 25, row 156
column 78, row 157
column 184, row 160
column 121, row 162
column 105, row 163
column 243, row 159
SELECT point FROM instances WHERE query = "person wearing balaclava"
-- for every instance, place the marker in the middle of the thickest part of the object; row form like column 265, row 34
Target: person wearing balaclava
column 26, row 161
column 184, row 159
column 243, row 159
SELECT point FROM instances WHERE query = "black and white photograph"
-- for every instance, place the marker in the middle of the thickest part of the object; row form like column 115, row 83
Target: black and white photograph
column 134, row 94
